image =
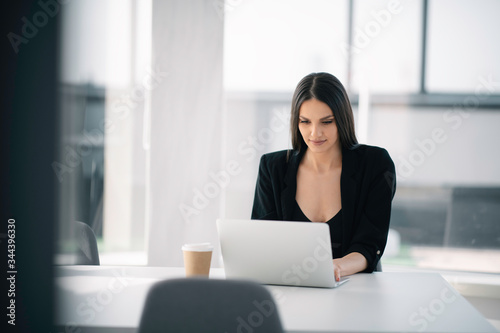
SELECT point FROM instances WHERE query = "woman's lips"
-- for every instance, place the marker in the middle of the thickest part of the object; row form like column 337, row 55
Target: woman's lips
column 317, row 142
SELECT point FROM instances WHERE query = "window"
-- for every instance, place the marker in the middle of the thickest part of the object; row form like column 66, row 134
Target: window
column 461, row 50
column 271, row 45
column 430, row 98
column 105, row 57
column 445, row 212
column 386, row 44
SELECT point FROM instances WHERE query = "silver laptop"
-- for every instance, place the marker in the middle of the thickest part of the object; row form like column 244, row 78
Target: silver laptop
column 278, row 252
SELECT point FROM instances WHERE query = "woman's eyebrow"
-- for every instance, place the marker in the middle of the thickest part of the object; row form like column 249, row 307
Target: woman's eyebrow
column 324, row 118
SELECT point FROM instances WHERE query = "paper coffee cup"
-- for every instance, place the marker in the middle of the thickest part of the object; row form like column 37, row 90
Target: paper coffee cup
column 197, row 259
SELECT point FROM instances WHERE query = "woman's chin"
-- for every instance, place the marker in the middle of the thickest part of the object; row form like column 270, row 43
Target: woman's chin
column 324, row 148
column 317, row 149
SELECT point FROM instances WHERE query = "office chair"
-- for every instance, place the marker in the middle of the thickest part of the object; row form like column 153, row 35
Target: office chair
column 87, row 252
column 194, row 305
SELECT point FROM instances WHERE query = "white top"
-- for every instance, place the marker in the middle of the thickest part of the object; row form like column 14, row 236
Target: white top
column 113, row 296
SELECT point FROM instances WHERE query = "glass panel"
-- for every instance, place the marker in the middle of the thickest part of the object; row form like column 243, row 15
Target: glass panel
column 447, row 203
column 104, row 60
column 386, row 46
column 463, row 46
column 271, row 45
column 445, row 210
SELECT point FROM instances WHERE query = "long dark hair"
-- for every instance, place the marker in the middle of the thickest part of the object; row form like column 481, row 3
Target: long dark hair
column 325, row 88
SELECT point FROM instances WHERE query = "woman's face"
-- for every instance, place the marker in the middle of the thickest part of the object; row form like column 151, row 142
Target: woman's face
column 317, row 126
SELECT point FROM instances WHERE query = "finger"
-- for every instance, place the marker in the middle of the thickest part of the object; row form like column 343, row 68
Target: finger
column 336, row 271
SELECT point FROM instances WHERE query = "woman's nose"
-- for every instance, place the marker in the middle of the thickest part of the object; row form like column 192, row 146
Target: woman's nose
column 315, row 131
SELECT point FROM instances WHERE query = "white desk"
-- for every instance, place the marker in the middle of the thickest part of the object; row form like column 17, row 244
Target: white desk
column 110, row 299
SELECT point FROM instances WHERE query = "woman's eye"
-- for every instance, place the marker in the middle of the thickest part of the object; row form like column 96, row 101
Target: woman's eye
column 328, row 122
column 304, row 121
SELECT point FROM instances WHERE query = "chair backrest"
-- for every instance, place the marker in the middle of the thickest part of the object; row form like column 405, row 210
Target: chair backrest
column 206, row 305
column 87, row 253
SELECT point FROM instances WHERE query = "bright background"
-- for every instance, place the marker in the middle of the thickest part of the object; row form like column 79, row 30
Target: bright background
column 168, row 106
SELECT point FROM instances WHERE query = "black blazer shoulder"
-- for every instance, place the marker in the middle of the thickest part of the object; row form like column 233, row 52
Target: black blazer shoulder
column 280, row 160
column 368, row 184
column 276, row 171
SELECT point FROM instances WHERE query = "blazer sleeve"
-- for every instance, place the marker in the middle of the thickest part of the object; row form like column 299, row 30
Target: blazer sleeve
column 264, row 207
column 370, row 235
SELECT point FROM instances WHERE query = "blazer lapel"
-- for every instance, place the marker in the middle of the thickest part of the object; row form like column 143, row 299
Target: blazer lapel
column 290, row 185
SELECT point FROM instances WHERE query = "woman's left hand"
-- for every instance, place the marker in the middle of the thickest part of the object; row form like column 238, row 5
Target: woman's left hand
column 350, row 264
column 337, row 271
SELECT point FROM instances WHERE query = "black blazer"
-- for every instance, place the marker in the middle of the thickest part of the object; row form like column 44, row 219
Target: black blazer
column 367, row 186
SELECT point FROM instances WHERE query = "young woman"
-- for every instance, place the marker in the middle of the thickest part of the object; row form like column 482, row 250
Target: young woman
column 329, row 178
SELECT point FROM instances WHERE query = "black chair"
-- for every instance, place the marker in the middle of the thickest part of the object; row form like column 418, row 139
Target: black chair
column 87, row 252
column 195, row 305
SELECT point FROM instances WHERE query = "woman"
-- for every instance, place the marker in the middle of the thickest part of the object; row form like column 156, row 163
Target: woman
column 329, row 178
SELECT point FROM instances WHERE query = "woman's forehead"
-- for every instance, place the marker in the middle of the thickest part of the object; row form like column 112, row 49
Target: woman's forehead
column 313, row 109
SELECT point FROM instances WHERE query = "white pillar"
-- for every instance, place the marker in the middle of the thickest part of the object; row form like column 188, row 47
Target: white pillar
column 185, row 136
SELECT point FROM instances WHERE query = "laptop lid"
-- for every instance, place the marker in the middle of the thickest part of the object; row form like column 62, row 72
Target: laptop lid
column 277, row 252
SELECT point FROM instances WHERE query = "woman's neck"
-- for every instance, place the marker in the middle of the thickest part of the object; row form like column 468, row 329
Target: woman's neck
column 325, row 161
